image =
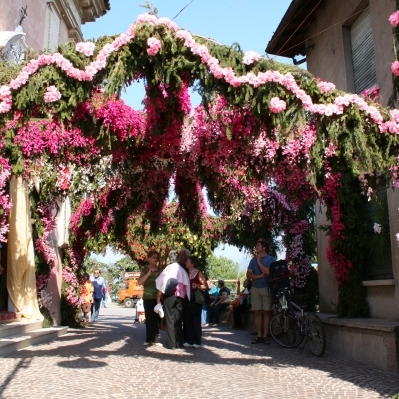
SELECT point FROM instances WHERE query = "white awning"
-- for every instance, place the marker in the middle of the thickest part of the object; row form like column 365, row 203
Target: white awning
column 13, row 46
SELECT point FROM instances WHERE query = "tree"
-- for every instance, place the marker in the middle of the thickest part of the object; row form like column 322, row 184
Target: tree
column 222, row 268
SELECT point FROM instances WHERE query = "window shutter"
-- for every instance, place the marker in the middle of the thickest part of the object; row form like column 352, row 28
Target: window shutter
column 363, row 57
column 52, row 28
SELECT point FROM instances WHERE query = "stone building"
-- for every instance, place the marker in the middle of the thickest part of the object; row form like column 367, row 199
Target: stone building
column 50, row 22
column 35, row 25
column 349, row 43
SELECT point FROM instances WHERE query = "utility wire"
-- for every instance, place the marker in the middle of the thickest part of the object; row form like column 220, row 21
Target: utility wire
column 228, row 17
column 299, row 25
column 181, row 10
column 223, row 12
column 337, row 23
column 282, row 30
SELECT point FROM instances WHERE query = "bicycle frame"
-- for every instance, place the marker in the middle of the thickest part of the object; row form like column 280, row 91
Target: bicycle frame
column 289, row 328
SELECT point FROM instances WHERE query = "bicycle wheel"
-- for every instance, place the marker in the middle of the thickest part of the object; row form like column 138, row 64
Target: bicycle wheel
column 316, row 334
column 285, row 331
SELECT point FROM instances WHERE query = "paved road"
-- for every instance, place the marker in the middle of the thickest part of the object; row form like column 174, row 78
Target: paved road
column 108, row 360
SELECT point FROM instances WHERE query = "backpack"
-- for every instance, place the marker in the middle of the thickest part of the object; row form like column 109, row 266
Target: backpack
column 279, row 275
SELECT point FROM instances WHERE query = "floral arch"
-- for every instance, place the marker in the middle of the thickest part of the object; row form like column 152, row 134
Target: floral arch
column 267, row 142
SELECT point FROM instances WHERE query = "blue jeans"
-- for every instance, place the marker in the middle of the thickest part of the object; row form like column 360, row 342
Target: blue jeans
column 95, row 309
column 204, row 314
column 214, row 313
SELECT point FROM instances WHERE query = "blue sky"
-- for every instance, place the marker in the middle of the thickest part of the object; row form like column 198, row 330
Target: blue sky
column 250, row 23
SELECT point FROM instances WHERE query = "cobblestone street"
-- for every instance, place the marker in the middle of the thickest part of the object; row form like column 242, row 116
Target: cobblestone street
column 108, row 360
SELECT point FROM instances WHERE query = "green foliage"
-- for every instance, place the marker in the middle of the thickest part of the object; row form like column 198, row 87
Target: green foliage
column 48, row 320
column 70, row 315
column 221, row 268
column 352, row 301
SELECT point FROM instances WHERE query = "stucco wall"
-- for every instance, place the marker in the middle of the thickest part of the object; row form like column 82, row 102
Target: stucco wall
column 72, row 13
column 328, row 286
column 328, row 60
column 10, row 16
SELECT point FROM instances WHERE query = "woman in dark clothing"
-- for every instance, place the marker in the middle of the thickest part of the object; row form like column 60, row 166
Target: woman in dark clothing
column 147, row 279
column 243, row 306
column 193, row 309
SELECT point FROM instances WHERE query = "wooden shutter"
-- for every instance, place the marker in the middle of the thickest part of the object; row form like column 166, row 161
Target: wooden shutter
column 363, row 57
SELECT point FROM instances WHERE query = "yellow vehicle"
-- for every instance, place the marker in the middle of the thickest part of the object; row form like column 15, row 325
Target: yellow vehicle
column 129, row 291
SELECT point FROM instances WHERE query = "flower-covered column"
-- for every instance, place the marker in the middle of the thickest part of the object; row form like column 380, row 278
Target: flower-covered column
column 21, row 279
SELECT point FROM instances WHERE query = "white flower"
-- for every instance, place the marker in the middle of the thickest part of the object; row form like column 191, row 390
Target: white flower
column 377, row 228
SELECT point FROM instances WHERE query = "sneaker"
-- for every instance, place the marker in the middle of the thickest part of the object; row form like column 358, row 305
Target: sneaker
column 146, row 343
column 187, row 345
column 214, row 325
column 156, row 344
column 197, row 346
column 205, row 325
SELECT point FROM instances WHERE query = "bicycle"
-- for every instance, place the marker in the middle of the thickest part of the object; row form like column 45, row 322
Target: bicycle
column 289, row 329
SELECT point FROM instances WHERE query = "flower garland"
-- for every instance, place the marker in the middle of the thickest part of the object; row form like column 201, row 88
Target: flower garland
column 154, row 45
column 255, row 166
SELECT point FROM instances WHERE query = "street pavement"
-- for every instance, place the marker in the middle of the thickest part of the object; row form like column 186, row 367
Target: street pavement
column 108, row 360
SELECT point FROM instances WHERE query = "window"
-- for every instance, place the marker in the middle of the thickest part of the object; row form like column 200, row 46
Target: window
column 363, row 58
column 51, row 37
column 379, row 261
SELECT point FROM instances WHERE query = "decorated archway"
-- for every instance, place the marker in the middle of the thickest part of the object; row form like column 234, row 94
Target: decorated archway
column 267, row 141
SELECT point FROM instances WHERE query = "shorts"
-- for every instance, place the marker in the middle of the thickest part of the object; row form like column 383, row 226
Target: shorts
column 86, row 307
column 261, row 299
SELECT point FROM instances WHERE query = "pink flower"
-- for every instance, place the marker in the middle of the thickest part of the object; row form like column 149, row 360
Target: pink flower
column 277, row 105
column 188, row 39
column 394, row 19
column 326, row 86
column 146, row 18
column 154, row 46
column 250, row 57
column 395, row 68
column 52, row 94
column 87, row 48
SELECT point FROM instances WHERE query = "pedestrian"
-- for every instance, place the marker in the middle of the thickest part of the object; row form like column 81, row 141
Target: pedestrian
column 213, row 294
column 243, row 304
column 99, row 291
column 147, row 279
column 105, row 298
column 261, row 297
column 184, row 253
column 219, row 304
column 87, row 296
column 193, row 309
column 173, row 286
column 140, row 310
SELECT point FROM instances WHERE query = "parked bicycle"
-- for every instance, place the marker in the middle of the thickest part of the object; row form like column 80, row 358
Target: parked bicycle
column 290, row 326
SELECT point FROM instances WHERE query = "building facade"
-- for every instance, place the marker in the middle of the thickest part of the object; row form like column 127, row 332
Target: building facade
column 50, row 22
column 36, row 25
column 348, row 43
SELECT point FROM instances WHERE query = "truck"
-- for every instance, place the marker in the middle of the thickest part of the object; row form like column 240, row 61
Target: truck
column 129, row 291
